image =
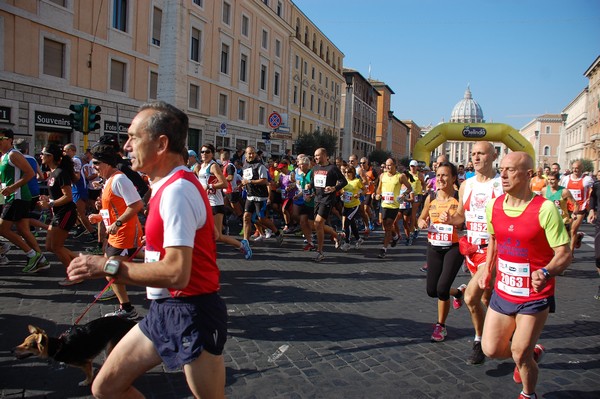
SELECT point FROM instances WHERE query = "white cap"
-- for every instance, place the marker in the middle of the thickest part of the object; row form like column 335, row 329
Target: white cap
column 414, row 163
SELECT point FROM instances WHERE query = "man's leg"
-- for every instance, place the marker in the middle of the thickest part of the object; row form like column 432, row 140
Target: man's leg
column 6, row 232
column 574, row 230
column 206, row 376
column 527, row 333
column 473, row 296
column 498, row 329
column 319, row 227
column 132, row 357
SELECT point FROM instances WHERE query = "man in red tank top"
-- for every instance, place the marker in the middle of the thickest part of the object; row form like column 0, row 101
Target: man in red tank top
column 186, row 326
column 528, row 246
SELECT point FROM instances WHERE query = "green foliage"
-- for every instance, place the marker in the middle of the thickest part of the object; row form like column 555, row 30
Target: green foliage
column 379, row 156
column 307, row 143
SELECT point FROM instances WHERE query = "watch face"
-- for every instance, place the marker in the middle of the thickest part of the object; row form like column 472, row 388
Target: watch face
column 111, row 267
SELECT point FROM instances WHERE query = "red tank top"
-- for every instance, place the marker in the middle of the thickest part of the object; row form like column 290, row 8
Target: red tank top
column 522, row 249
column 204, row 278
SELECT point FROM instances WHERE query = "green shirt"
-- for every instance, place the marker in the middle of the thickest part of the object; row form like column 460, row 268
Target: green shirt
column 9, row 174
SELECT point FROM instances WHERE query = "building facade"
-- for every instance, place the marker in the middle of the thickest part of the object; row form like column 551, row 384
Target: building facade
column 544, row 134
column 572, row 142
column 359, row 107
column 591, row 148
column 229, row 64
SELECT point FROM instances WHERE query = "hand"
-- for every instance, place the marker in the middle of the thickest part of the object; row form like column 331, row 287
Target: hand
column 538, row 281
column 422, row 224
column 329, row 189
column 444, row 217
column 94, row 218
column 8, row 190
column 484, row 279
column 86, row 267
column 112, row 229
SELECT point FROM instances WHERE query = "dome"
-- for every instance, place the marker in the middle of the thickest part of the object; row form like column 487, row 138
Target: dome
column 467, row 110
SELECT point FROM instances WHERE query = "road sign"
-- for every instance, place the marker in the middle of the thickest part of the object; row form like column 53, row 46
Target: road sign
column 274, row 120
column 223, row 129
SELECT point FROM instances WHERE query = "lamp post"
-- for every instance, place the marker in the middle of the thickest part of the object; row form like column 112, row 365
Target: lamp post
column 562, row 151
column 389, row 132
column 348, row 117
column 537, row 148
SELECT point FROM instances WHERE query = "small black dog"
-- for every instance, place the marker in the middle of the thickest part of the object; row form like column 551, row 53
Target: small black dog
column 77, row 346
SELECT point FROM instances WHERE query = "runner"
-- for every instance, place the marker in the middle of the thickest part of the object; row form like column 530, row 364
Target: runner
column 580, row 187
column 351, row 198
column 593, row 218
column 538, row 182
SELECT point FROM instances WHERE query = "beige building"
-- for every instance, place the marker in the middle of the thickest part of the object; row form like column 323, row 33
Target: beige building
column 591, row 148
column 229, row 64
column 359, row 107
column 544, row 134
column 572, row 142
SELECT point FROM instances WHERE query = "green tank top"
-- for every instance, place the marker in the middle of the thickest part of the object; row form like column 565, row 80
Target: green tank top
column 9, row 174
column 558, row 200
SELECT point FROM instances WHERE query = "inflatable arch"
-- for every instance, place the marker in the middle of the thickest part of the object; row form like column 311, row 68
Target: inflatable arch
column 498, row 132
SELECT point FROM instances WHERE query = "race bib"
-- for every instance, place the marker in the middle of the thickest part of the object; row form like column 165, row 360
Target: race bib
column 320, row 180
column 476, row 227
column 440, row 235
column 152, row 292
column 403, row 204
column 576, row 194
column 388, row 198
column 347, row 196
column 105, row 217
column 514, row 278
column 247, row 173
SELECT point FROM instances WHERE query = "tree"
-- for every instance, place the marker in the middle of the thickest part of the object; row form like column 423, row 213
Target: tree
column 379, row 156
column 307, row 143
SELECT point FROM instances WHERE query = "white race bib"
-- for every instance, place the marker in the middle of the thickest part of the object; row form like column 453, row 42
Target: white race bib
column 514, row 278
column 576, row 194
column 347, row 196
column 440, row 235
column 320, row 180
column 388, row 198
column 105, row 217
column 247, row 173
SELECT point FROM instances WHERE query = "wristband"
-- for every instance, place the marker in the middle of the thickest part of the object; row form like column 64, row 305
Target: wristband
column 546, row 273
column 51, row 203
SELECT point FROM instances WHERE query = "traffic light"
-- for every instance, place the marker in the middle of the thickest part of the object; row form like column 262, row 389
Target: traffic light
column 77, row 116
column 93, row 117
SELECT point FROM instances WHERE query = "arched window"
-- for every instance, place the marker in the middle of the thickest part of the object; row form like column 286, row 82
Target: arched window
column 547, row 150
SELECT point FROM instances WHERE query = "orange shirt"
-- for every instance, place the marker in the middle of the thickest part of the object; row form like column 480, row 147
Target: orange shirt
column 129, row 234
column 537, row 184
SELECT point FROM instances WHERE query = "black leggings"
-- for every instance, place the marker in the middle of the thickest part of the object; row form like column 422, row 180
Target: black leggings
column 349, row 222
column 443, row 264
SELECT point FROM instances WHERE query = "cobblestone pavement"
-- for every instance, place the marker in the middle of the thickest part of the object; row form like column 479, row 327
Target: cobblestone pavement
column 354, row 326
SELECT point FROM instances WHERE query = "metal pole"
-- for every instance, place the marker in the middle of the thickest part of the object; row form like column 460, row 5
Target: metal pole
column 118, row 128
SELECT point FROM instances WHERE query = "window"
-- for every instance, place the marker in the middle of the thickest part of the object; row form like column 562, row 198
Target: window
column 194, row 139
column 320, row 77
column 156, row 26
column 312, row 101
column 276, row 84
column 261, row 115
column 245, row 25
column 199, row 3
column 265, row 40
column 312, row 73
column 297, row 63
column 117, row 75
column 303, row 99
column 279, row 8
column 120, row 15
column 242, row 110
column 325, row 110
column 244, row 68
column 548, row 130
column 305, row 67
column 263, row 77
column 277, row 48
column 226, row 13
column 547, row 150
column 194, row 99
column 222, row 142
column 295, row 94
column 319, row 106
column 223, row 104
column 54, row 58
column 224, row 58
column 61, row 3
column 266, row 2
column 153, row 86
column 196, row 44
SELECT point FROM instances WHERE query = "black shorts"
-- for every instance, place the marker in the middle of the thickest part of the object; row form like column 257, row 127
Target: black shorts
column 216, row 209
column 258, row 207
column 93, row 194
column 389, row 213
column 65, row 216
column 276, row 198
column 33, row 204
column 16, row 210
column 508, row 308
column 112, row 251
column 307, row 210
column 233, row 197
column 181, row 328
column 322, row 209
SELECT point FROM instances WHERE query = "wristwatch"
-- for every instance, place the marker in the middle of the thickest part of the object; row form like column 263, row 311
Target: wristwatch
column 118, row 223
column 111, row 267
column 546, row 273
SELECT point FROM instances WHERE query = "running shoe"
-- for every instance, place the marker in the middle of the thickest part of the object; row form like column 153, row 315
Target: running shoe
column 279, row 239
column 79, row 231
column 439, row 333
column 477, row 355
column 382, row 253
column 106, row 295
column 127, row 314
column 458, row 302
column 538, row 354
column 415, row 234
column 4, row 248
column 66, row 282
column 260, row 238
column 359, row 243
column 597, row 296
column 394, row 241
column 578, row 240
column 268, row 233
column 319, row 257
column 3, row 260
column 345, row 246
column 523, row 395
column 246, row 249
column 338, row 240
column 32, row 263
column 424, row 268
column 308, row 247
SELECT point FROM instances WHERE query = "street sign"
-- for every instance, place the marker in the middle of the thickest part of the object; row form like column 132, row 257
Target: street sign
column 274, row 120
column 223, row 129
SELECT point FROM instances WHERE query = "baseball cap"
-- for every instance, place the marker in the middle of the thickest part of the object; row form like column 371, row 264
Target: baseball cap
column 7, row 133
column 282, row 165
column 414, row 163
column 192, row 153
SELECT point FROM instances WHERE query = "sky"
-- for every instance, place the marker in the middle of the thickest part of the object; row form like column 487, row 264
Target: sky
column 520, row 58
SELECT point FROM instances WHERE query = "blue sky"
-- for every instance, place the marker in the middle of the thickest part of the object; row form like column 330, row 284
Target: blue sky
column 521, row 58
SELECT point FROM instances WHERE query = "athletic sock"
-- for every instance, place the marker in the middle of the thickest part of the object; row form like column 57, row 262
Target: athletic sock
column 477, row 338
column 126, row 306
column 31, row 253
column 529, row 395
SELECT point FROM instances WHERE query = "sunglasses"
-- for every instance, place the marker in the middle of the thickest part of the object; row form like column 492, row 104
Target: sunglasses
column 205, row 152
column 96, row 162
column 362, row 163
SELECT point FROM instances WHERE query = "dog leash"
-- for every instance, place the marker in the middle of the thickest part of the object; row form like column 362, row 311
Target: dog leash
column 110, row 282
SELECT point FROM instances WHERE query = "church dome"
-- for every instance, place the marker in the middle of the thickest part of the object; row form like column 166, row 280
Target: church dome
column 467, row 110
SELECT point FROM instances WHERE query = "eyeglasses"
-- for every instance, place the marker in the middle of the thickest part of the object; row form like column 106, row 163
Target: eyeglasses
column 362, row 163
column 96, row 162
column 205, row 152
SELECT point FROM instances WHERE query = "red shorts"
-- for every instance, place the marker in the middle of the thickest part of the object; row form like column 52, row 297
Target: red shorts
column 475, row 260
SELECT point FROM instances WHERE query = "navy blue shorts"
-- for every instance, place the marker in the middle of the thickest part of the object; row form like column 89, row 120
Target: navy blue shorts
column 181, row 328
column 508, row 308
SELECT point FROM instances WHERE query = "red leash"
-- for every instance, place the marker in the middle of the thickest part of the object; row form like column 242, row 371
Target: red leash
column 112, row 280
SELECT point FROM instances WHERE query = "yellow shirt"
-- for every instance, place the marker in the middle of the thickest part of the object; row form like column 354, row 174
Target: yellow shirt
column 390, row 190
column 350, row 193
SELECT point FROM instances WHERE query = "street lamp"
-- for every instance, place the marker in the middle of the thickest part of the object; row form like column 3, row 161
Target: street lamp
column 537, row 146
column 389, row 132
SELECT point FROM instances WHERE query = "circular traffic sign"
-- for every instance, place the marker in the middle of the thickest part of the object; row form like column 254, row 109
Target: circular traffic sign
column 274, row 120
